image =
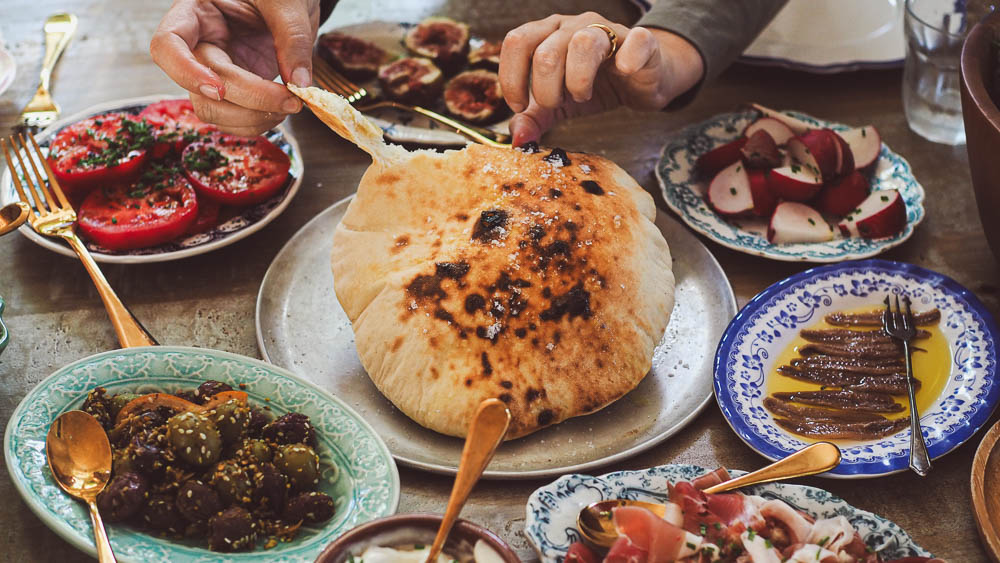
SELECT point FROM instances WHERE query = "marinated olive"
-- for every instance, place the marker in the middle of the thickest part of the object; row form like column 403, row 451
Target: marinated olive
column 232, row 482
column 231, row 419
column 120, row 400
column 161, row 514
column 123, row 497
column 147, row 456
column 194, row 438
column 208, row 389
column 98, row 405
column 311, row 507
column 292, row 428
column 197, row 502
column 254, row 450
column 270, row 488
column 300, row 464
column 258, row 420
column 121, row 463
column 233, row 529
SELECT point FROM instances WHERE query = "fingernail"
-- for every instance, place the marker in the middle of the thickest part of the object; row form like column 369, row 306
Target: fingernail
column 516, row 107
column 210, row 91
column 291, row 105
column 301, row 77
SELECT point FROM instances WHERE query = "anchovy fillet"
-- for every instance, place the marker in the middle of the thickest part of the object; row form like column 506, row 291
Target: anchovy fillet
column 865, row 401
column 874, row 318
column 844, row 430
column 798, row 413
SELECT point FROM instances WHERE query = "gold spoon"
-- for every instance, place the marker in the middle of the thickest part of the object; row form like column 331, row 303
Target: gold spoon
column 12, row 215
column 79, row 456
column 597, row 527
column 489, row 425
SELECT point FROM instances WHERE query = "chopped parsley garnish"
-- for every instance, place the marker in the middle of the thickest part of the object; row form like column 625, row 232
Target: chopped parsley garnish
column 703, row 529
column 885, row 198
column 863, row 133
column 818, row 553
column 418, row 546
column 133, row 136
column 812, row 221
column 732, row 191
column 208, row 158
column 717, row 526
column 691, row 546
column 823, row 541
column 796, row 168
column 751, row 534
column 767, row 543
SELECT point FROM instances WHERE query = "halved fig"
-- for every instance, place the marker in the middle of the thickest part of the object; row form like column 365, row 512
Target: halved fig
column 475, row 95
column 844, row 195
column 881, row 214
column 357, row 58
column 794, row 182
column 729, row 192
column 760, row 151
column 797, row 222
column 718, row 158
column 443, row 40
column 865, row 143
column 411, row 80
column 485, row 56
column 780, row 132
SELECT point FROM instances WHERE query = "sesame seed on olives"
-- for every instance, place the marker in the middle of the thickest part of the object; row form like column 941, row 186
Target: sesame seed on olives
column 310, row 507
column 300, row 464
column 185, row 431
column 233, row 529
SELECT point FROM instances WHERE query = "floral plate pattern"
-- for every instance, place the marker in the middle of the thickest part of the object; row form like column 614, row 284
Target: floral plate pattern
column 684, row 192
column 768, row 323
column 249, row 221
column 552, row 509
column 357, row 469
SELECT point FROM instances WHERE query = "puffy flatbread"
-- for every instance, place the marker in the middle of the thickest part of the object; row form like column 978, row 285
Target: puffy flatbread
column 532, row 275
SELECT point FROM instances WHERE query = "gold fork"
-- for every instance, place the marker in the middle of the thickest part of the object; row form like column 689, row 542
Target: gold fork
column 53, row 216
column 42, row 109
column 363, row 100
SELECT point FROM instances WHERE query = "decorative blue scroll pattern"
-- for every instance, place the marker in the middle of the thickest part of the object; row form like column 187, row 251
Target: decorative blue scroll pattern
column 770, row 320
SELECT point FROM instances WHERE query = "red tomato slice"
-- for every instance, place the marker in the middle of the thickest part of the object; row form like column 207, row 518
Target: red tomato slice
column 208, row 217
column 157, row 208
column 175, row 125
column 98, row 151
column 236, row 170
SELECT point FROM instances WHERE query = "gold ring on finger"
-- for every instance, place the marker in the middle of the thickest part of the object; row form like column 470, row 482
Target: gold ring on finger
column 612, row 37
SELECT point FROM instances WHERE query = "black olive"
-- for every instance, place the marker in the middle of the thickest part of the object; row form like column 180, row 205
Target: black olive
column 98, row 405
column 233, row 529
column 210, row 388
column 310, row 508
column 197, row 502
column 270, row 488
column 123, row 497
column 292, row 428
column 161, row 514
column 258, row 420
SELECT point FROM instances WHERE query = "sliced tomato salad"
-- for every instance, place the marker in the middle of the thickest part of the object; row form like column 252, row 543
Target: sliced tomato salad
column 175, row 125
column 158, row 207
column 236, row 170
column 101, row 150
column 208, row 217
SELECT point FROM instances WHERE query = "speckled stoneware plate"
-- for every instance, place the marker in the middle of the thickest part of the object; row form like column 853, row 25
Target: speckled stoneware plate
column 301, row 326
column 770, row 321
column 552, row 509
column 684, row 192
column 250, row 219
column 356, row 467
column 403, row 126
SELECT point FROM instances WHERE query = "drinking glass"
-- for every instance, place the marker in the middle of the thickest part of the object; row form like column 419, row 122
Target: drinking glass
column 935, row 30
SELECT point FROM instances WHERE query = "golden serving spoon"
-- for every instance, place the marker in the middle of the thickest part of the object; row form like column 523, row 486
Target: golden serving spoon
column 489, row 425
column 79, row 456
column 597, row 527
column 12, row 216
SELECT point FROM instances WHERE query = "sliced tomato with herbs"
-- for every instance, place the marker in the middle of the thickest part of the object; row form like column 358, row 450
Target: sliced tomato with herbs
column 160, row 206
column 208, row 216
column 175, row 125
column 98, row 151
column 236, row 170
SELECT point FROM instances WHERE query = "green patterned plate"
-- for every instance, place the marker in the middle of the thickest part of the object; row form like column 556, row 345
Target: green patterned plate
column 357, row 469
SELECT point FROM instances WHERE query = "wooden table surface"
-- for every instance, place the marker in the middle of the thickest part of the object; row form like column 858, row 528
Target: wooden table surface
column 56, row 317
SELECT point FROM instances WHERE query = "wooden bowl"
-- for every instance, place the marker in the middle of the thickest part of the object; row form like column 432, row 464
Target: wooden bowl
column 986, row 490
column 982, row 124
column 403, row 529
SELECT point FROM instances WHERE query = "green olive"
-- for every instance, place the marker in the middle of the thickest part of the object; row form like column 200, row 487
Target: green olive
column 300, row 464
column 231, row 419
column 194, row 439
column 119, row 401
column 232, row 482
column 256, row 450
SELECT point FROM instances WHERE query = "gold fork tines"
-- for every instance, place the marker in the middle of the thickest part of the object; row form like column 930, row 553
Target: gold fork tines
column 329, row 79
column 42, row 109
column 53, row 216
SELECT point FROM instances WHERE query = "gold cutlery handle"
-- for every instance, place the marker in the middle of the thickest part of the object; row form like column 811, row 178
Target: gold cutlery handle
column 480, row 135
column 817, row 458
column 59, row 29
column 130, row 332
column 104, row 552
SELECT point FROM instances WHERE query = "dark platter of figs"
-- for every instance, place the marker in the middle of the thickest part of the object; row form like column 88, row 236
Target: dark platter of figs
column 435, row 63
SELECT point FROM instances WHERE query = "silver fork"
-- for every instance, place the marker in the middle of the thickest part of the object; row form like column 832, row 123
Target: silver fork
column 899, row 325
column 42, row 109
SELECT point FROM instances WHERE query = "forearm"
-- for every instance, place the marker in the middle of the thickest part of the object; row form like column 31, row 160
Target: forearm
column 683, row 64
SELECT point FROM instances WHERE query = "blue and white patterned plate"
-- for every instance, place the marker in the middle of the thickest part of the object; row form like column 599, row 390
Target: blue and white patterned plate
column 552, row 509
column 772, row 319
column 250, row 220
column 357, row 470
column 684, row 192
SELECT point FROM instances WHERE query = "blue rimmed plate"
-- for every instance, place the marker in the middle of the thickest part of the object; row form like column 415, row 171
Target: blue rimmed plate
column 249, row 220
column 771, row 320
column 684, row 192
column 357, row 469
column 552, row 509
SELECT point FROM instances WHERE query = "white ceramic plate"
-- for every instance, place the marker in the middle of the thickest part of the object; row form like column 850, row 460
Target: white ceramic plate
column 8, row 67
column 403, row 126
column 301, row 326
column 684, row 191
column 552, row 509
column 250, row 220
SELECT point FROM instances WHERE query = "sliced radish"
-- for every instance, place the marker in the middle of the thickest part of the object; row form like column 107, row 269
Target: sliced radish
column 844, row 195
column 796, row 125
column 865, row 143
column 817, row 150
column 760, row 151
column 729, row 193
column 778, row 130
column 794, row 183
column 881, row 214
column 718, row 158
column 797, row 222
column 764, row 199
column 845, row 157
